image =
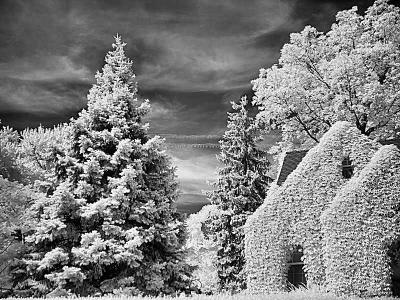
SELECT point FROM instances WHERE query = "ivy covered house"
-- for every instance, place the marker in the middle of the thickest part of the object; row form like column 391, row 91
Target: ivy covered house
column 332, row 219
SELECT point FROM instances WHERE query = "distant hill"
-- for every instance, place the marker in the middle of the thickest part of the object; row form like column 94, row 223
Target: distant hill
column 191, row 203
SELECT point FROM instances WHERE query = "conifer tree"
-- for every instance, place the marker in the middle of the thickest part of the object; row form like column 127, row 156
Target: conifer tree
column 240, row 188
column 110, row 226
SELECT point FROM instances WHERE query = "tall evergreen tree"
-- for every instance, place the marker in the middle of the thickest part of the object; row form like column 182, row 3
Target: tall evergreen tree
column 240, row 188
column 110, row 225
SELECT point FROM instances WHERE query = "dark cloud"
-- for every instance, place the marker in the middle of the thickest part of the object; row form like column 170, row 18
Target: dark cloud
column 275, row 39
column 321, row 14
column 188, row 113
column 21, row 120
column 174, row 44
column 192, row 58
column 189, row 55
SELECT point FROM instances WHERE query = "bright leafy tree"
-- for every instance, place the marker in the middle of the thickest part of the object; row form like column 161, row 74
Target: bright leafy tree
column 26, row 163
column 30, row 156
column 110, row 225
column 202, row 249
column 351, row 73
column 15, row 199
column 9, row 167
column 37, row 153
column 239, row 190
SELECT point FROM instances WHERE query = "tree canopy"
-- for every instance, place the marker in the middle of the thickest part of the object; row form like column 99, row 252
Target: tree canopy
column 351, row 73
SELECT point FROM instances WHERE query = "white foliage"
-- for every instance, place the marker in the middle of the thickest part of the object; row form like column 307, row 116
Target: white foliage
column 202, row 250
column 351, row 73
column 360, row 226
column 291, row 213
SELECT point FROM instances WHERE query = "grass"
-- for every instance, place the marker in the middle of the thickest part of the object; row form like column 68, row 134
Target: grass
column 299, row 294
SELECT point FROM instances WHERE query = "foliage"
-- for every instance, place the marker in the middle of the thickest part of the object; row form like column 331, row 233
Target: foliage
column 240, row 188
column 202, row 250
column 37, row 152
column 26, row 168
column 14, row 201
column 359, row 227
column 350, row 73
column 29, row 157
column 298, row 294
column 9, row 167
column 110, row 226
column 290, row 215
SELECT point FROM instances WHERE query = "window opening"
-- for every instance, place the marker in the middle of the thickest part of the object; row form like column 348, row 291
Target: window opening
column 296, row 275
column 394, row 255
column 347, row 168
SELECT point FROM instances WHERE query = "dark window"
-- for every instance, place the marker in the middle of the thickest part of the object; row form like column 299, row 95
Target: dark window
column 296, row 274
column 347, row 168
column 394, row 255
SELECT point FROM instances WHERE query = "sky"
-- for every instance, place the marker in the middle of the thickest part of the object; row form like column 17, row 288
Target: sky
column 191, row 58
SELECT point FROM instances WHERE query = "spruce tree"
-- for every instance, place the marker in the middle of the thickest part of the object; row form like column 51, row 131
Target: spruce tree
column 110, row 226
column 240, row 188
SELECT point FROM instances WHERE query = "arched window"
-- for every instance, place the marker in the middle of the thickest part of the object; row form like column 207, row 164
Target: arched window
column 347, row 168
column 296, row 275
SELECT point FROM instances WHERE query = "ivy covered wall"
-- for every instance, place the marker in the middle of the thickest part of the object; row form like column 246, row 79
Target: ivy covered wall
column 361, row 225
column 291, row 213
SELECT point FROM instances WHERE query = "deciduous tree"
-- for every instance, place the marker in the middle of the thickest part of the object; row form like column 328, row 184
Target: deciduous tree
column 37, row 153
column 351, row 73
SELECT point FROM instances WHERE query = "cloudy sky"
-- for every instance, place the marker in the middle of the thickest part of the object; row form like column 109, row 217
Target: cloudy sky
column 192, row 57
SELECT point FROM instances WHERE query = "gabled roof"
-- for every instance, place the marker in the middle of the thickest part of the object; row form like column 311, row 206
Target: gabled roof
column 290, row 162
column 395, row 142
column 293, row 158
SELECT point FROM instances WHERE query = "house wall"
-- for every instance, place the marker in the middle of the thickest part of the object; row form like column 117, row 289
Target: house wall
column 291, row 213
column 360, row 225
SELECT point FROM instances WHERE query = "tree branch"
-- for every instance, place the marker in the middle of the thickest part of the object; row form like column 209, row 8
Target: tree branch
column 296, row 115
